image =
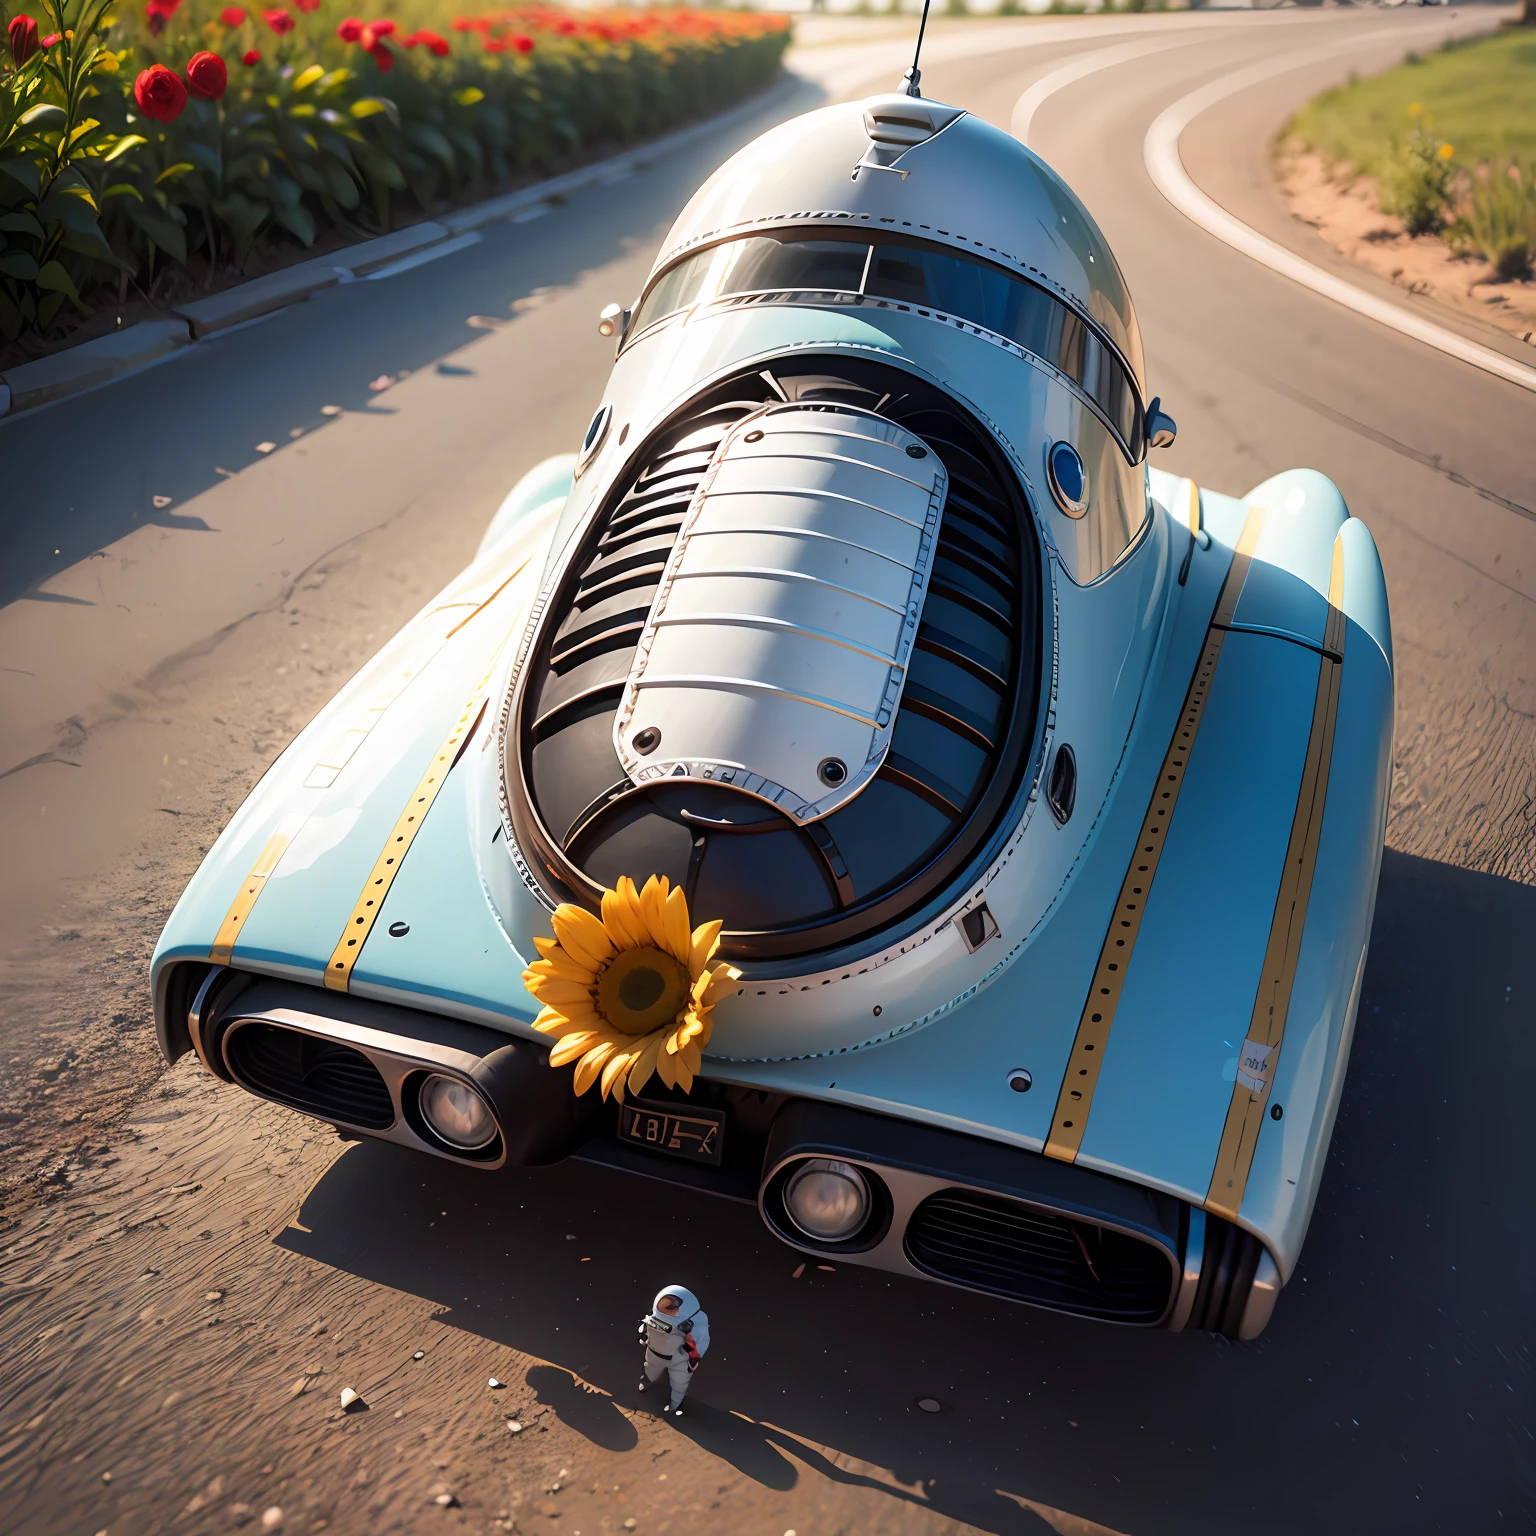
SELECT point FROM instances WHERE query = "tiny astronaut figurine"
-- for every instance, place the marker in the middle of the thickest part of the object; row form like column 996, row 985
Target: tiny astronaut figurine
column 675, row 1333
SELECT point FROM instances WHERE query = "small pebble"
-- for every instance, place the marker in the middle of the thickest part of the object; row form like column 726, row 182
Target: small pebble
column 161, row 501
column 929, row 1404
column 348, row 1398
column 514, row 1427
column 629, row 1524
column 213, row 1295
column 445, row 1501
column 380, row 384
column 570, row 1237
column 299, row 1387
column 271, row 1518
column 829, row 1269
column 106, row 1477
column 296, row 432
column 265, row 447
column 420, row 1354
column 799, row 1270
column 495, row 1385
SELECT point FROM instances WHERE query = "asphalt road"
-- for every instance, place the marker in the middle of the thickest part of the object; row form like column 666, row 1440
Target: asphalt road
column 155, row 657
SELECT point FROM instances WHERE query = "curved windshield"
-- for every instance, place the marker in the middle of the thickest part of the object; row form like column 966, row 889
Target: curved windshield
column 908, row 273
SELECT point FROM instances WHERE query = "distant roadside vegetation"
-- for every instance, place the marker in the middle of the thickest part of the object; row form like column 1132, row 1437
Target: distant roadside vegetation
column 1451, row 140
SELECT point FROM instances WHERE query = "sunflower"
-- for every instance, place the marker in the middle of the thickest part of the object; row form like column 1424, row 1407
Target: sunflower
column 632, row 994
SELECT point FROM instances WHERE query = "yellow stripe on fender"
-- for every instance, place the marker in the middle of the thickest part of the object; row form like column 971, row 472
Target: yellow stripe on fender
column 1087, row 1058
column 251, row 887
column 338, row 973
column 1260, row 1052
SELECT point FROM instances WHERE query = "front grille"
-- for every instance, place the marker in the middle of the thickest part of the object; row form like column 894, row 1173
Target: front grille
column 319, row 1077
column 1010, row 1249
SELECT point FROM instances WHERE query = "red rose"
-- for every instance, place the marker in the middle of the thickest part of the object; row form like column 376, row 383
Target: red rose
column 251, row 56
column 382, row 56
column 22, row 35
column 232, row 15
column 279, row 20
column 207, row 76
column 522, row 42
column 160, row 94
column 350, row 30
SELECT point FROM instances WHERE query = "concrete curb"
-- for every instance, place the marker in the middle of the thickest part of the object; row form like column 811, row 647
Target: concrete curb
column 108, row 357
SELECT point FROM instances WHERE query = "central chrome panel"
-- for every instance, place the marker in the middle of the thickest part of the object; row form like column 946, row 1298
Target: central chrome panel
column 775, row 652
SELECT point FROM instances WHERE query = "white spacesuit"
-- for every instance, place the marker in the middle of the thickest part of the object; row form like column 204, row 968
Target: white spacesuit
column 675, row 1333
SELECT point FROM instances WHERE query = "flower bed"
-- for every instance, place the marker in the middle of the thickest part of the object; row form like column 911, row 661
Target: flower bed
column 172, row 138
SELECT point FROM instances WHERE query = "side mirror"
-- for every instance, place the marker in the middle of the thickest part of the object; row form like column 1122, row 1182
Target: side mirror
column 613, row 321
column 1161, row 427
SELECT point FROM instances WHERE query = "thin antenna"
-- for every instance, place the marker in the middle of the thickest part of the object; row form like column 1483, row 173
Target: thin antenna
column 913, row 78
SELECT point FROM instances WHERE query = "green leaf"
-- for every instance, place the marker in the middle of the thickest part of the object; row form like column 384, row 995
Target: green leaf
column 303, row 109
column 297, row 220
column 45, row 118
column 18, row 264
column 122, row 189
column 70, row 211
column 25, row 172
column 306, row 78
column 175, row 172
column 52, row 277
column 21, row 224
column 80, row 130
column 371, row 106
column 340, row 185
column 425, row 136
column 469, row 95
column 91, row 243
column 205, row 158
column 123, row 145
column 48, row 309
column 164, row 231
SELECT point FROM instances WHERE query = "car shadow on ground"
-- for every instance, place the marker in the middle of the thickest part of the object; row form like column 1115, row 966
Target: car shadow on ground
column 1390, row 1372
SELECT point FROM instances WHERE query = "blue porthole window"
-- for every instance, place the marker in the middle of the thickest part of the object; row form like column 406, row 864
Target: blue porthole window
column 1068, row 477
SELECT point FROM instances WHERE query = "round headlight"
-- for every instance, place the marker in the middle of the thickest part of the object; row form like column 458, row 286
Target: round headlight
column 456, row 1113
column 827, row 1200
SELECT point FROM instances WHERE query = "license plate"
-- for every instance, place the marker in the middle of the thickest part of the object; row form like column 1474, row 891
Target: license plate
column 696, row 1136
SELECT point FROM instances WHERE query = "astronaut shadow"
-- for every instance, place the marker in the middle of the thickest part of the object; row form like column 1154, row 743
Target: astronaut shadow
column 1406, row 1269
column 579, row 1406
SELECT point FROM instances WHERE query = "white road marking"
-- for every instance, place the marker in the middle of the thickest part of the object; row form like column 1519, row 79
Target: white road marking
column 422, row 257
column 1166, row 168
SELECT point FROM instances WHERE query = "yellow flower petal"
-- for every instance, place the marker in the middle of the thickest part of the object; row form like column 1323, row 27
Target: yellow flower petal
column 683, row 1072
column 562, row 1022
column 653, row 909
column 591, row 1064
column 575, row 1045
column 618, row 1064
column 706, row 940
column 620, row 917
column 556, row 991
column 679, row 936
column 582, row 936
column 561, row 963
column 645, row 1062
column 666, row 1068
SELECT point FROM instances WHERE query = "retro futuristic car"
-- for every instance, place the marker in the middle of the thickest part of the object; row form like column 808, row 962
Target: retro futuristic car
column 880, row 793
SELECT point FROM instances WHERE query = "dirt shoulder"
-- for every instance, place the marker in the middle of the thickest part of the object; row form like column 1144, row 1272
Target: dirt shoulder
column 1346, row 211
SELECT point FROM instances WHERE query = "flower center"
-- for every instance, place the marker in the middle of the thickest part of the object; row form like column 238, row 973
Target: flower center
column 641, row 990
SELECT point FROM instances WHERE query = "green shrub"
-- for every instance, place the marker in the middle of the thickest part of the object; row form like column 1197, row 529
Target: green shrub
column 1416, row 183
column 1499, row 222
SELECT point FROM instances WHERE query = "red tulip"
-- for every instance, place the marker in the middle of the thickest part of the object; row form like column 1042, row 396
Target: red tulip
column 232, row 15
column 207, row 76
column 434, row 41
column 279, row 20
column 251, row 56
column 382, row 56
column 382, row 28
column 495, row 45
column 350, row 30
column 307, row 6
column 160, row 94
column 22, row 35
column 50, row 40
column 162, row 10
column 522, row 42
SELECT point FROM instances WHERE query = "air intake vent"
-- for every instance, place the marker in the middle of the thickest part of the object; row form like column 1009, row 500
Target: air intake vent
column 319, row 1077
column 1011, row 1249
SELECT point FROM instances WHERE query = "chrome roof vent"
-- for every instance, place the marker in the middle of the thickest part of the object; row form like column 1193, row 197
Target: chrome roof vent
column 896, row 124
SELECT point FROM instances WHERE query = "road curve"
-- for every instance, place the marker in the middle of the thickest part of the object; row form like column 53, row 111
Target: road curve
column 181, row 644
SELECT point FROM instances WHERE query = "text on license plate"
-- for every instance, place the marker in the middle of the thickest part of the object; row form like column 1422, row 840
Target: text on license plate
column 697, row 1137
